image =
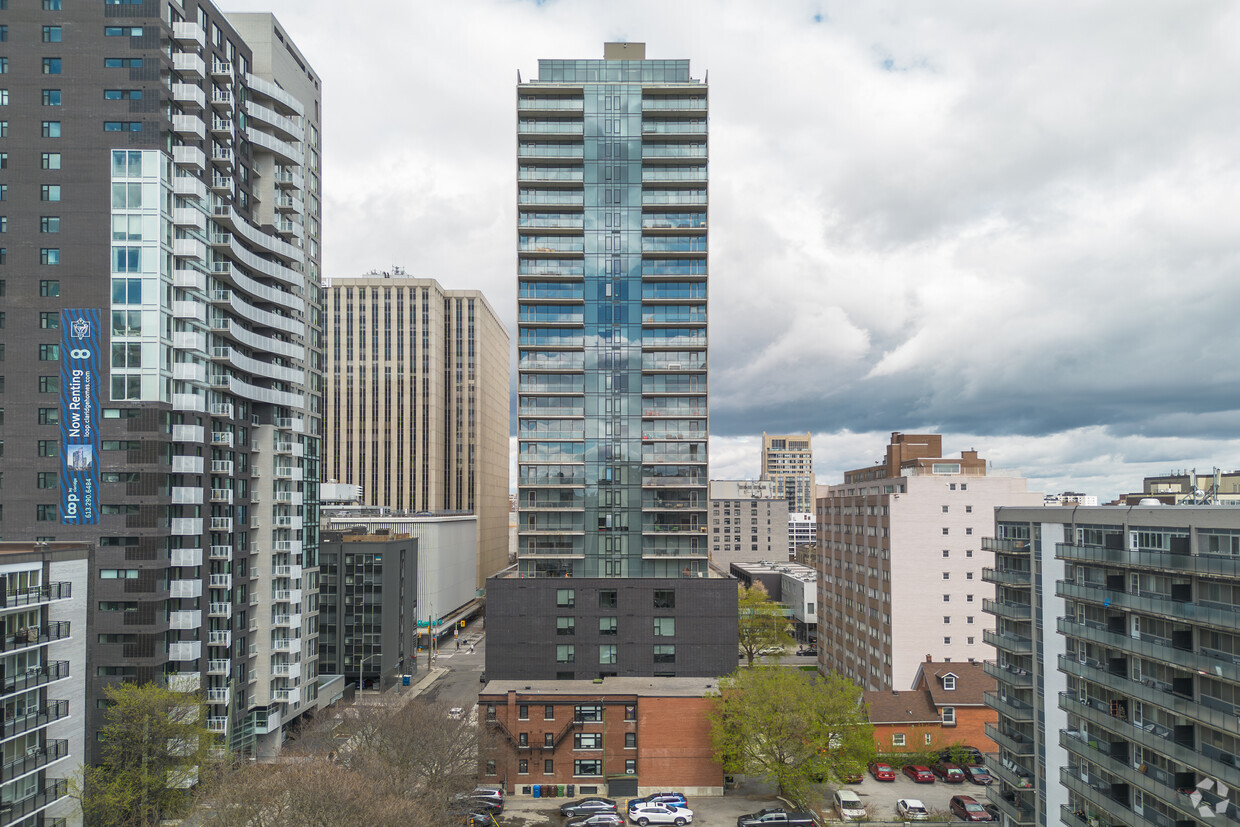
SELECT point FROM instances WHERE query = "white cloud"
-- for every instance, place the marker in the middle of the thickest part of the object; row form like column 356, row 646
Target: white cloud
column 1012, row 221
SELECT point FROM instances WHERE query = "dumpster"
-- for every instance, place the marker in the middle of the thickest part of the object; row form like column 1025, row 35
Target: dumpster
column 404, row 680
column 560, row 790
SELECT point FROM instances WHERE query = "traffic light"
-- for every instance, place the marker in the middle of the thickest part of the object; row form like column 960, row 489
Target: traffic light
column 462, row 624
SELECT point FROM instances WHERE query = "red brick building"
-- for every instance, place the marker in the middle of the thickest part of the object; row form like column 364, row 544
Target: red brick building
column 618, row 736
column 944, row 707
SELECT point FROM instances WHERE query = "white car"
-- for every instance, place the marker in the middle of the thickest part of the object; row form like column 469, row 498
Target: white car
column 456, row 713
column 660, row 814
column 911, row 809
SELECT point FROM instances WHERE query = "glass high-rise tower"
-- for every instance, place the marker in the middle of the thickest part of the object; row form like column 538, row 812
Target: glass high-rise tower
column 612, row 204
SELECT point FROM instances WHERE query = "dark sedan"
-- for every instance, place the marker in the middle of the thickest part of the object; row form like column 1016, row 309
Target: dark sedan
column 597, row 820
column 587, row 806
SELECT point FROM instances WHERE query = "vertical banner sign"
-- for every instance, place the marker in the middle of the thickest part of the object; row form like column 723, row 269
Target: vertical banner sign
column 79, row 416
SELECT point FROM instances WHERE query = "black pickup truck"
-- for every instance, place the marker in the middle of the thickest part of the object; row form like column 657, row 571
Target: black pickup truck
column 775, row 817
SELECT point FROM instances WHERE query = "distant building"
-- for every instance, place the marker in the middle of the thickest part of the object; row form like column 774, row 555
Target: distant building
column 417, row 402
column 43, row 632
column 946, row 707
column 748, row 521
column 1189, row 488
column 788, row 461
column 618, row 737
column 900, row 572
column 802, row 531
column 793, row 585
column 368, row 595
column 1069, row 498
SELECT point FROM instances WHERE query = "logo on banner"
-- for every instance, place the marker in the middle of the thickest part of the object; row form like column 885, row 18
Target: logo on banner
column 79, row 416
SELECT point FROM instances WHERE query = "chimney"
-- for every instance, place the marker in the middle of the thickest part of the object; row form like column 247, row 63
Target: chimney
column 929, row 659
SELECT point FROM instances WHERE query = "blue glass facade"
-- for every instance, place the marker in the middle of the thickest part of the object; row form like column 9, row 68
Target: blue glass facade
column 612, row 345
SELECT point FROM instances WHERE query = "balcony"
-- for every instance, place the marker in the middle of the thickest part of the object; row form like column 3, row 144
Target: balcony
column 185, row 651
column 288, row 696
column 188, row 186
column 1014, row 807
column 189, row 156
column 1209, row 565
column 185, row 589
column 222, row 466
column 189, row 32
column 221, row 495
column 1166, row 606
column 221, row 581
column 219, row 610
column 54, row 711
column 286, row 670
column 222, row 409
column 36, row 676
column 34, row 758
column 188, row 125
column 1010, row 610
column 218, row 696
column 1016, row 644
column 185, row 619
column 1012, row 773
column 220, row 552
column 1178, row 699
column 224, row 524
column 219, row 637
column 1013, row 741
column 222, row 99
column 1008, row 674
column 35, row 636
column 219, row 666
column 217, row 724
column 1008, row 577
column 189, row 64
column 289, row 645
column 1010, row 707
column 1219, row 665
column 36, row 595
column 188, row 95
column 185, row 681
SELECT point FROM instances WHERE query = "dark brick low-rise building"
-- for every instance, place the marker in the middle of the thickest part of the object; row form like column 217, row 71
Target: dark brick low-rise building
column 619, row 737
column 585, row 628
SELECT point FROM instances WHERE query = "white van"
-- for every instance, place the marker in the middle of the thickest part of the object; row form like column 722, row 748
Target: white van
column 849, row 805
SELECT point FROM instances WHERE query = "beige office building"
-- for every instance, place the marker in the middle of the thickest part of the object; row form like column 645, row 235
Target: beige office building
column 900, row 568
column 788, row 461
column 748, row 522
column 417, row 402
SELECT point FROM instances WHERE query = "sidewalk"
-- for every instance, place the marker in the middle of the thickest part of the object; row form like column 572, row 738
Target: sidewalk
column 398, row 695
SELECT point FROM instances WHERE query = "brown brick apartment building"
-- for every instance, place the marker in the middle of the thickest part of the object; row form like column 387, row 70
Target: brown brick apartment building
column 616, row 736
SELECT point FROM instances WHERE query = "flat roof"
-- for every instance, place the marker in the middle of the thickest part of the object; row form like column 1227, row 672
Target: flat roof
column 642, row 687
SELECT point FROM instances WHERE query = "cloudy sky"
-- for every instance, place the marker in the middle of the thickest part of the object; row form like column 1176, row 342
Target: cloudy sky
column 1012, row 223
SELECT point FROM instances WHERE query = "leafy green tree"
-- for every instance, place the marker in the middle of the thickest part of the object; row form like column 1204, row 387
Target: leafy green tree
column 789, row 727
column 763, row 627
column 154, row 744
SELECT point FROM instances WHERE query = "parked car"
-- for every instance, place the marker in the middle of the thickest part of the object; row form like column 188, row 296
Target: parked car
column 848, row 805
column 491, row 795
column 961, row 755
column 881, row 771
column 775, row 817
column 948, row 773
column 645, row 814
column 809, row 651
column 967, row 808
column 597, row 820
column 456, row 713
column 912, row 809
column 920, row 775
column 587, row 806
column 978, row 775
column 995, row 815
column 672, row 799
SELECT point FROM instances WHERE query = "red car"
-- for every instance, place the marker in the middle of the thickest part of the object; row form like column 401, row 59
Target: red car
column 967, row 808
column 882, row 772
column 920, row 775
column 948, row 773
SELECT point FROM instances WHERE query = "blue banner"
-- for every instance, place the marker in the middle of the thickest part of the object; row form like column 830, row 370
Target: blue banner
column 79, row 416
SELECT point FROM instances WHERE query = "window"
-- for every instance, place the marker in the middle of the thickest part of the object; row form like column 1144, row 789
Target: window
column 968, row 598
column 665, row 627
column 588, row 713
column 969, row 553
column 51, row 97
column 4, row 98
column 49, row 287
column 947, row 598
column 946, row 530
column 949, row 716
column 548, row 713
column 122, row 63
column 122, row 31
column 964, row 486
column 588, row 740
column 565, row 653
column 49, row 353
column 4, row 63
column 122, row 94
column 607, row 653
column 4, row 33
column 947, row 552
column 947, row 575
column 49, row 447
column 523, row 739
column 968, row 575
column 549, row 740
column 51, row 5
column 947, row 641
column 45, row 513
column 49, row 321
column 51, row 66
column 565, row 598
column 49, row 384
column 947, row 619
column 607, row 598
column 630, row 766
column 969, row 619
column 664, row 653
column 588, row 766
column 49, row 224
column 46, row 479
column 49, row 256
column 491, row 766
column 949, row 683
column 523, row 712
column 523, row 766
column 630, row 740
column 51, row 129
column 897, row 739
column 50, row 192
column 565, row 625
column 929, row 738
column 607, row 627
column 664, row 599
column 630, row 712
column 118, row 574
column 122, row 126
column 968, row 531
column 548, row 766
column 970, row 641
column 944, row 509
column 968, row 509
column 51, row 34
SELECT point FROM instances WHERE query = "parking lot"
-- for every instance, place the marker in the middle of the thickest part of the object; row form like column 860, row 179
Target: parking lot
column 712, row 811
column 880, row 796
